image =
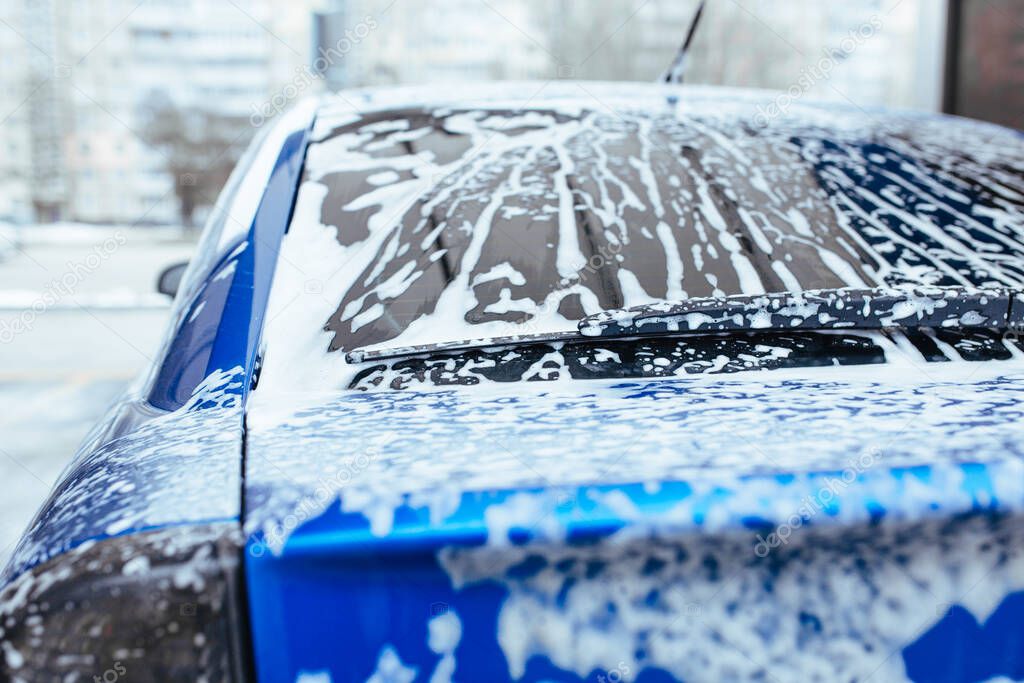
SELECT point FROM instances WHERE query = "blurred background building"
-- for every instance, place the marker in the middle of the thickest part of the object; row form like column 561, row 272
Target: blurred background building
column 121, row 111
column 82, row 82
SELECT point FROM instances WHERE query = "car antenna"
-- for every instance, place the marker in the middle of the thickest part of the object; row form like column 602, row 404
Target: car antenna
column 677, row 71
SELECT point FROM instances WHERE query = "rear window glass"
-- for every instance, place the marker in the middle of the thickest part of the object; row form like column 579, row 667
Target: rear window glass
column 565, row 215
column 510, row 215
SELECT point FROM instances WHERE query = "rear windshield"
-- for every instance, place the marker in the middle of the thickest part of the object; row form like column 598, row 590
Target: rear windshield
column 520, row 209
column 469, row 223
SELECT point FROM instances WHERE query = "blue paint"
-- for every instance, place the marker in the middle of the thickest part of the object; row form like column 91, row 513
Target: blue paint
column 978, row 484
column 314, row 610
column 959, row 650
column 366, row 592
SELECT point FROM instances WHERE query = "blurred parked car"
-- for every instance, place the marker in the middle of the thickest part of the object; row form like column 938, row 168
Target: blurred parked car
column 575, row 382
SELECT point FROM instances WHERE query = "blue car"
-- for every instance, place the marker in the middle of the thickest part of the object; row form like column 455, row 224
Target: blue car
column 564, row 382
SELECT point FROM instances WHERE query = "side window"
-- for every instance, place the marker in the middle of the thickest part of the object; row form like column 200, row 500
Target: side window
column 219, row 312
column 198, row 307
column 187, row 358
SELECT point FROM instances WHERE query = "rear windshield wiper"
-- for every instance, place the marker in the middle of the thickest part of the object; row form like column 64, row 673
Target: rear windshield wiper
column 826, row 309
column 366, row 355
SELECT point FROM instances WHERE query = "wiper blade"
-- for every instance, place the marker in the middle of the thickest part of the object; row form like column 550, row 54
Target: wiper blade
column 841, row 309
column 826, row 309
column 372, row 354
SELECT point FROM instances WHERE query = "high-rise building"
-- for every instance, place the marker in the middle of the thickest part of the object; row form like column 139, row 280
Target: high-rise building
column 86, row 72
column 16, row 88
column 878, row 51
column 380, row 42
column 34, row 178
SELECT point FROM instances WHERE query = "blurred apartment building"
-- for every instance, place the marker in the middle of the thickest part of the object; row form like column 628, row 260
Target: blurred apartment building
column 871, row 52
column 756, row 43
column 77, row 75
column 83, row 71
column 430, row 41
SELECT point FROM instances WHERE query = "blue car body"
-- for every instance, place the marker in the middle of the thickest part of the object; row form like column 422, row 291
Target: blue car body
column 760, row 504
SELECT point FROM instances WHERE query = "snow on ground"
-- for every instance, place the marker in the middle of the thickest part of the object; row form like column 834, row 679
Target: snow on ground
column 67, row 265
